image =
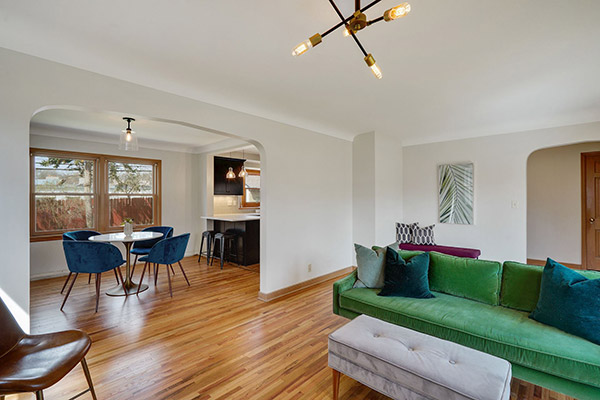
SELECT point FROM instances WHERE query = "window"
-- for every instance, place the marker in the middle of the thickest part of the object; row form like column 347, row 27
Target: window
column 72, row 191
column 251, row 196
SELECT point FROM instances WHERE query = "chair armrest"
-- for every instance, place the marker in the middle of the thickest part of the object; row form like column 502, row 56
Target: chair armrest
column 340, row 286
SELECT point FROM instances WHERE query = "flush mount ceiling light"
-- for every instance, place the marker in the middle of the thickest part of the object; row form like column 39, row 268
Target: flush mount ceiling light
column 128, row 139
column 352, row 25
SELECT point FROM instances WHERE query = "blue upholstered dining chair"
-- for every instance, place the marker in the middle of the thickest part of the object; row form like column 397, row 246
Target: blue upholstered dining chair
column 143, row 248
column 166, row 252
column 93, row 258
column 80, row 235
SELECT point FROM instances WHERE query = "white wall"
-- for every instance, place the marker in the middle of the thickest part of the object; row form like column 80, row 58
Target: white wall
column 179, row 210
column 500, row 163
column 376, row 188
column 306, row 212
column 554, row 202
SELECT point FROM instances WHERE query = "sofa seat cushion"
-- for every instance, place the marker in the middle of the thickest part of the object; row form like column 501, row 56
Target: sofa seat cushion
column 496, row 330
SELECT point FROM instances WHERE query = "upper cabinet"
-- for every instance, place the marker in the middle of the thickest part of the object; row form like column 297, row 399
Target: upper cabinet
column 223, row 185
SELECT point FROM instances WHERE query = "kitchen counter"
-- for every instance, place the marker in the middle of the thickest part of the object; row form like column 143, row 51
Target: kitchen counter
column 233, row 217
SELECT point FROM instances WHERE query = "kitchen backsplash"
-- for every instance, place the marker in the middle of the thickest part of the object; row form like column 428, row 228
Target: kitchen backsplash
column 229, row 205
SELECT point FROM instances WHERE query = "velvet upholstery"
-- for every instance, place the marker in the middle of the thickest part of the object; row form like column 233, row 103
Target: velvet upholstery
column 569, row 301
column 79, row 235
column 143, row 247
column 91, row 257
column 371, row 266
column 168, row 251
column 406, row 278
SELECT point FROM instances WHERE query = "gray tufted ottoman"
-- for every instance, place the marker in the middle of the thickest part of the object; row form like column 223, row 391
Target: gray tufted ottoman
column 408, row 365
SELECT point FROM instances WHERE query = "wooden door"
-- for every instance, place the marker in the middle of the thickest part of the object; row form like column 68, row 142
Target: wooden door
column 590, row 175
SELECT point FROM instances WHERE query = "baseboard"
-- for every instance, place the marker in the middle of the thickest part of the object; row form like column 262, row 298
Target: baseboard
column 304, row 285
column 48, row 275
column 533, row 261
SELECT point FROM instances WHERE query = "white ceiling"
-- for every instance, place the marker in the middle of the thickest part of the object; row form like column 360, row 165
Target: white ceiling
column 452, row 69
column 90, row 125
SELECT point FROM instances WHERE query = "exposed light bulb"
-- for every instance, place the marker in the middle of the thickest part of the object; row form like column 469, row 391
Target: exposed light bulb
column 397, row 12
column 230, row 174
column 373, row 65
column 346, row 32
column 128, row 135
column 307, row 45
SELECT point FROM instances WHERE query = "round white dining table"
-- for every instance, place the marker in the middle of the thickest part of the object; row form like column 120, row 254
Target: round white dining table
column 128, row 287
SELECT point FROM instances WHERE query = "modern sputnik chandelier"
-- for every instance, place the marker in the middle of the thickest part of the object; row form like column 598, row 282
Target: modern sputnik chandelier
column 352, row 25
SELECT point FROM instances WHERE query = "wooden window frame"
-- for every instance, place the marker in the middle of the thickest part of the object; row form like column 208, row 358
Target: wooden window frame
column 100, row 192
column 244, row 203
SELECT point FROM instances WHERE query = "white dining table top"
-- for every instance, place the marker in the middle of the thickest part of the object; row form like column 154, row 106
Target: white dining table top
column 120, row 237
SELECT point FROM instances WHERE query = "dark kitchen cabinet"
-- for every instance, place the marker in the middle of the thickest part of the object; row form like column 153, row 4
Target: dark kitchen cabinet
column 224, row 186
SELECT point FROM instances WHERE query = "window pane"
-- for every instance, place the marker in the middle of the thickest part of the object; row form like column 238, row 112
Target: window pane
column 128, row 178
column 63, row 175
column 138, row 208
column 252, row 195
column 57, row 213
column 253, row 181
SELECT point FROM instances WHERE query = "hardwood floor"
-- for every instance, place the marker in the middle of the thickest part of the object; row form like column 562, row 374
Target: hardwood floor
column 213, row 340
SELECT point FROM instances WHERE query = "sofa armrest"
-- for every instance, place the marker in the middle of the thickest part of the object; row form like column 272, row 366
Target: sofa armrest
column 340, row 286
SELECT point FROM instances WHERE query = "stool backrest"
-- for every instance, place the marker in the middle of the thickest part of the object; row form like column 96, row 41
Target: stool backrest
column 11, row 332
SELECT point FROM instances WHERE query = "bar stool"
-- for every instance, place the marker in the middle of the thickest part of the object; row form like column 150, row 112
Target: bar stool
column 210, row 238
column 227, row 241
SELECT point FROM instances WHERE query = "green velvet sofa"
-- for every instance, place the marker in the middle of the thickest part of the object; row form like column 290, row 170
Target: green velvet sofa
column 485, row 305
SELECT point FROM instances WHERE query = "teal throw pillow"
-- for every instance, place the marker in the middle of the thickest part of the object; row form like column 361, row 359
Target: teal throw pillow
column 371, row 264
column 569, row 301
column 406, row 278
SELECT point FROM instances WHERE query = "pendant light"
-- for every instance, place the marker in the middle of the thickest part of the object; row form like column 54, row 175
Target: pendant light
column 129, row 141
column 230, row 174
column 243, row 171
column 352, row 25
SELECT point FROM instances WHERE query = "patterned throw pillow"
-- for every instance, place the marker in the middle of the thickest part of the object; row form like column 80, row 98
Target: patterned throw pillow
column 423, row 236
column 404, row 232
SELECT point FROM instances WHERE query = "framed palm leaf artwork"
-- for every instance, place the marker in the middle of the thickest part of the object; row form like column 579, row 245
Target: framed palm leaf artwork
column 455, row 183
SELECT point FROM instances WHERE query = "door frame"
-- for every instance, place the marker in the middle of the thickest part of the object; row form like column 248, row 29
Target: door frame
column 584, row 221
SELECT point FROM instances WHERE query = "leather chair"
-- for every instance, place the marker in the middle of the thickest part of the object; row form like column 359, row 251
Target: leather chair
column 32, row 363
column 168, row 252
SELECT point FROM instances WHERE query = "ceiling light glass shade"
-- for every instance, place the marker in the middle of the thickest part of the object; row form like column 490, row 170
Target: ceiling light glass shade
column 373, row 65
column 129, row 141
column 397, row 12
column 243, row 172
column 230, row 174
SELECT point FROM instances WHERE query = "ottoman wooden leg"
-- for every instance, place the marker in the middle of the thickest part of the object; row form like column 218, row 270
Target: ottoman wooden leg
column 336, row 384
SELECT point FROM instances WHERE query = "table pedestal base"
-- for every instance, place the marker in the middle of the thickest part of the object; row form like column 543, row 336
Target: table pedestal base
column 130, row 287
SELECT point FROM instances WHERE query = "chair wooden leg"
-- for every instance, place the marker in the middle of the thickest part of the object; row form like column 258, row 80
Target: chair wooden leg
column 172, row 270
column 98, row 278
column 39, row 395
column 61, row 292
column 69, row 290
column 116, row 276
column 142, row 278
column 89, row 278
column 336, row 384
column 183, row 272
column 155, row 274
column 88, row 377
column 169, row 277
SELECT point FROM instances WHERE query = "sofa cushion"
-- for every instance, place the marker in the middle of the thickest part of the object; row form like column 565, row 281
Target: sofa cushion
column 506, row 333
column 569, row 301
column 371, row 265
column 521, row 285
column 465, row 277
column 406, row 278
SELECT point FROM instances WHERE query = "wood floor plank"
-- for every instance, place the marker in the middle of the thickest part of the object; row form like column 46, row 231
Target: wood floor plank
column 212, row 340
